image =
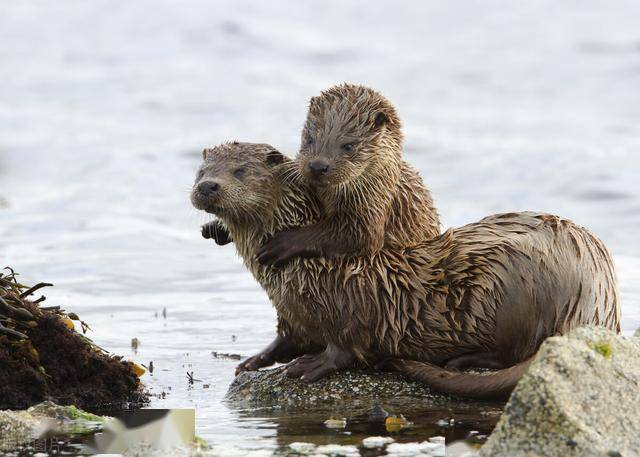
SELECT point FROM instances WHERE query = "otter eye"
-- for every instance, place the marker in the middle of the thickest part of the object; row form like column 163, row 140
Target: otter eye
column 200, row 174
column 348, row 146
column 310, row 141
column 239, row 172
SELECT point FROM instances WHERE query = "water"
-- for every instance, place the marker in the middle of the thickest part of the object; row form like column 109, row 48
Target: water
column 104, row 107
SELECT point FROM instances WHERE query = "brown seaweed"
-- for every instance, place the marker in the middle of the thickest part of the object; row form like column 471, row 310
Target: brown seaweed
column 42, row 357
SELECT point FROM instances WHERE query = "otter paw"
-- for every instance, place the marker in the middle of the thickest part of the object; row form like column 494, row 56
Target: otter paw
column 254, row 363
column 309, row 367
column 217, row 232
column 283, row 247
column 277, row 251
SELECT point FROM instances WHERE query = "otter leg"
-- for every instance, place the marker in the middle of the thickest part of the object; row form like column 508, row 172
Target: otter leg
column 280, row 350
column 476, row 360
column 216, row 231
column 317, row 240
column 286, row 245
column 310, row 368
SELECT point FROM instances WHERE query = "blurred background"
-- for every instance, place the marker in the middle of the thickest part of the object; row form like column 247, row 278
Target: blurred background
column 106, row 105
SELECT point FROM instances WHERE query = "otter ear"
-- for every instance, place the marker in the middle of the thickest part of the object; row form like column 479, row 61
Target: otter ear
column 380, row 120
column 274, row 157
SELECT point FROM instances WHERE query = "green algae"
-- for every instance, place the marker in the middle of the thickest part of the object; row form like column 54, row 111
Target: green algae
column 603, row 348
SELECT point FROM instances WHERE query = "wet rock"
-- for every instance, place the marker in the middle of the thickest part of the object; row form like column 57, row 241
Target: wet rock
column 377, row 414
column 20, row 427
column 373, row 442
column 579, row 398
column 426, row 448
column 16, row 428
column 273, row 388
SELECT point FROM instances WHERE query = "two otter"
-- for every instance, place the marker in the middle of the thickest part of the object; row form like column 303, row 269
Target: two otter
column 486, row 294
column 453, row 299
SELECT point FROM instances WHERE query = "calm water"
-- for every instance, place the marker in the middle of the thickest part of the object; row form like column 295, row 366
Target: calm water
column 104, row 107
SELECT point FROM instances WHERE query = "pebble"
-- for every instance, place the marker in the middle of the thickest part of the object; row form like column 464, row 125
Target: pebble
column 338, row 450
column 302, row 448
column 336, row 422
column 376, row 441
column 416, row 449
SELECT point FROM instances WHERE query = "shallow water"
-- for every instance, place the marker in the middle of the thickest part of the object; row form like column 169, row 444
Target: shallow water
column 104, row 107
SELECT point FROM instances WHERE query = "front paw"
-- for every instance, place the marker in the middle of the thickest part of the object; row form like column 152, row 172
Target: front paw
column 310, row 367
column 255, row 362
column 217, row 232
column 283, row 247
column 277, row 251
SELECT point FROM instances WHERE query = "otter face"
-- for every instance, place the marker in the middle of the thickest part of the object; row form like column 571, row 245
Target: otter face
column 235, row 181
column 347, row 129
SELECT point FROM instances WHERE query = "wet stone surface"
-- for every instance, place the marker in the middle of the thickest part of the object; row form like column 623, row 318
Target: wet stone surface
column 273, row 388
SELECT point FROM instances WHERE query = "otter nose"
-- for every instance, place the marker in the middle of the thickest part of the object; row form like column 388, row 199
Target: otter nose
column 208, row 188
column 318, row 167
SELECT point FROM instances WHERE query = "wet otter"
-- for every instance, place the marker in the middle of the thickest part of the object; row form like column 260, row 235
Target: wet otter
column 242, row 184
column 351, row 155
column 486, row 293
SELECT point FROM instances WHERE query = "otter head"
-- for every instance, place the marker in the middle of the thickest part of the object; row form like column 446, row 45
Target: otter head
column 348, row 128
column 238, row 181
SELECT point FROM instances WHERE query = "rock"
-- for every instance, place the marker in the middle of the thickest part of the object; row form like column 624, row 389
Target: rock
column 579, row 398
column 373, row 442
column 637, row 333
column 336, row 450
column 426, row 448
column 302, row 448
column 43, row 357
column 20, row 427
column 273, row 388
column 16, row 428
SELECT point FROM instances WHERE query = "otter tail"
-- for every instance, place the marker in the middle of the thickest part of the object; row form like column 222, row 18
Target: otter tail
column 496, row 385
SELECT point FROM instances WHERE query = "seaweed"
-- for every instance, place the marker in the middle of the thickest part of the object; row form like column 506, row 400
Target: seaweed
column 43, row 357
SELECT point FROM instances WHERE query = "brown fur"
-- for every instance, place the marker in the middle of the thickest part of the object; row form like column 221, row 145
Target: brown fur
column 496, row 385
column 501, row 285
column 372, row 170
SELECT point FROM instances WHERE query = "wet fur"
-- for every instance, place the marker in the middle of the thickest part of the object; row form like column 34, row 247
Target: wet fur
column 403, row 212
column 500, row 285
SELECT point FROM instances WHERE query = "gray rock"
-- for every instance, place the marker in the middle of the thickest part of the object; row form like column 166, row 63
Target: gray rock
column 273, row 388
column 16, row 428
column 21, row 427
column 581, row 397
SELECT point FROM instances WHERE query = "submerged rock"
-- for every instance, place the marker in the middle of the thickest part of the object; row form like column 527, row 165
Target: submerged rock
column 273, row 388
column 579, row 398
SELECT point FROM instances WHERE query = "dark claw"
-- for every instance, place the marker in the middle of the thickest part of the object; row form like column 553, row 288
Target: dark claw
column 254, row 363
column 217, row 232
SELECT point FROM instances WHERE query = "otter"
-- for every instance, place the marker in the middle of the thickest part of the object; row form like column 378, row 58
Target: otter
column 229, row 171
column 487, row 293
column 351, row 156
